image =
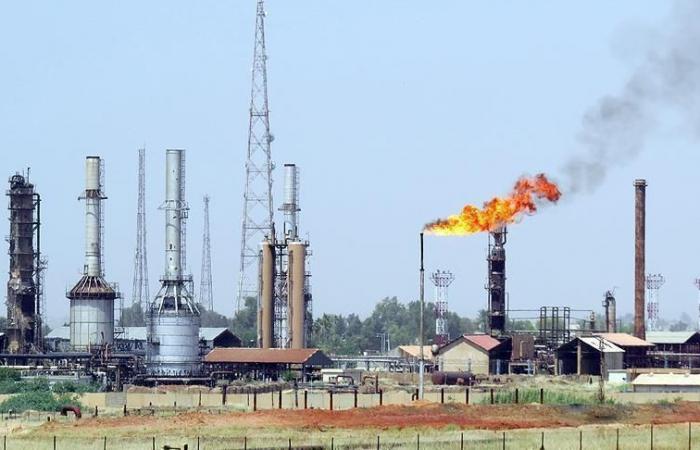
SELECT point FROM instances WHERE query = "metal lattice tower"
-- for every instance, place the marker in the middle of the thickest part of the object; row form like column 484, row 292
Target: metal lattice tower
column 441, row 280
column 139, row 293
column 654, row 283
column 206, row 297
column 257, row 197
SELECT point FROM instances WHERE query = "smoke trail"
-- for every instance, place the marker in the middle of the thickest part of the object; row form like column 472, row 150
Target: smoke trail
column 615, row 130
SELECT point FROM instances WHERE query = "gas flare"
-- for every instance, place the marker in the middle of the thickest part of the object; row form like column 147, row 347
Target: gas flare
column 527, row 193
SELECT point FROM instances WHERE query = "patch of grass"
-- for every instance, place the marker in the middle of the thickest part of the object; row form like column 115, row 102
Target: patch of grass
column 551, row 397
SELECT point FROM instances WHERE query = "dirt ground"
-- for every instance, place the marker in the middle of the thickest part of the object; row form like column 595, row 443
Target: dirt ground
column 421, row 415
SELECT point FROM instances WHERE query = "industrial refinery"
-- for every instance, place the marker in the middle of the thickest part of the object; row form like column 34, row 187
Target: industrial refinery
column 436, row 248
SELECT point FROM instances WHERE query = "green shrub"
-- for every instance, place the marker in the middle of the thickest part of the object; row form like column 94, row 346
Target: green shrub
column 551, row 397
column 38, row 401
column 8, row 374
column 32, row 385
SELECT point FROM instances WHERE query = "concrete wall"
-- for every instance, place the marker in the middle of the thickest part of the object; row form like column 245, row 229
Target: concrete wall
column 464, row 357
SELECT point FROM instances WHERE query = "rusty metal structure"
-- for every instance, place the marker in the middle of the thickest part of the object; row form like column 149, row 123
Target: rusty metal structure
column 640, row 187
column 609, row 304
column 496, row 283
column 24, row 287
column 284, row 293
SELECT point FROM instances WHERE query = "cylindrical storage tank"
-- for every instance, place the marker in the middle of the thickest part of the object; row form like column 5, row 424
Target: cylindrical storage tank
column 267, row 291
column 91, row 323
column 173, row 344
column 296, row 281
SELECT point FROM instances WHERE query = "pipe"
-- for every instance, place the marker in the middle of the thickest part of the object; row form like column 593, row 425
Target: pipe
column 290, row 207
column 296, row 281
column 421, row 364
column 639, row 256
column 93, row 229
column 173, row 214
column 267, row 294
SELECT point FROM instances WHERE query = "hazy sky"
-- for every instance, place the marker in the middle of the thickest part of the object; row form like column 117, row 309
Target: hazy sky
column 397, row 112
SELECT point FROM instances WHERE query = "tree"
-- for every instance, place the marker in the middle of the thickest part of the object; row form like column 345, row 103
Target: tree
column 245, row 323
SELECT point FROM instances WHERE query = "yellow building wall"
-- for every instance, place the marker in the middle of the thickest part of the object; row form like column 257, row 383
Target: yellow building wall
column 466, row 358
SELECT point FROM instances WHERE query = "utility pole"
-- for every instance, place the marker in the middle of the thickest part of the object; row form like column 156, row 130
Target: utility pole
column 421, row 364
column 206, row 297
column 139, row 293
column 257, row 197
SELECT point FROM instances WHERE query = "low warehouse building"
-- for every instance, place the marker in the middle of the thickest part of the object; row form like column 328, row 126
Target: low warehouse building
column 582, row 356
column 666, row 382
column 635, row 349
column 674, row 349
column 479, row 354
column 266, row 363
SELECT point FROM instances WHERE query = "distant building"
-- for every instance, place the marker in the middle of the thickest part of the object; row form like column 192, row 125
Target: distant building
column 636, row 350
column 479, row 354
column 666, row 382
column 266, row 363
column 675, row 349
column 582, row 356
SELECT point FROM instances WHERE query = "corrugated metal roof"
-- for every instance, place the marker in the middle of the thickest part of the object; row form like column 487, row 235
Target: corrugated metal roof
column 669, row 337
column 483, row 341
column 625, row 340
column 414, row 351
column 667, row 379
column 608, row 347
column 136, row 333
column 261, row 355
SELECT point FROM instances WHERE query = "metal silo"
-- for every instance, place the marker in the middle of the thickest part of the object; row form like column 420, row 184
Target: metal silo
column 173, row 317
column 267, row 294
column 296, row 287
column 92, row 298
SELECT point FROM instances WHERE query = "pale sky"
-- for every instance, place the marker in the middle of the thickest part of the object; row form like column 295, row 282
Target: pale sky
column 397, row 112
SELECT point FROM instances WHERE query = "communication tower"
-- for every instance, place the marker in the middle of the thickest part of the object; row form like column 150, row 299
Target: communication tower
column 139, row 294
column 206, row 297
column 441, row 280
column 653, row 283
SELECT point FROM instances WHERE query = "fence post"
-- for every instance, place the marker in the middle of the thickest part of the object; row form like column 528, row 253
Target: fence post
column 279, row 398
column 332, row 443
column 580, row 439
column 355, row 398
column 442, row 395
column 492, row 396
column 418, row 441
column 331, row 397
column 377, row 442
column 504, row 440
column 154, row 443
column 200, row 399
column 290, row 443
column 306, row 395
column 104, row 443
column 516, row 396
column 197, row 442
column 542, row 446
column 466, row 396
column 272, row 399
column 541, row 396
column 461, row 441
column 617, row 439
column 4, row 442
column 651, row 440
column 255, row 400
column 124, row 409
column 690, row 435
column 95, row 410
column 54, row 442
column 381, row 397
column 224, row 391
column 245, row 442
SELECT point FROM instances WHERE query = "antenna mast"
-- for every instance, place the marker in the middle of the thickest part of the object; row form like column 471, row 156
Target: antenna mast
column 654, row 283
column 206, row 297
column 257, row 197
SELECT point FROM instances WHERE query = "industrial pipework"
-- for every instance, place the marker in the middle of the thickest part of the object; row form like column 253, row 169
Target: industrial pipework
column 92, row 298
column 24, row 285
column 496, row 285
column 173, row 318
column 610, row 312
column 640, row 187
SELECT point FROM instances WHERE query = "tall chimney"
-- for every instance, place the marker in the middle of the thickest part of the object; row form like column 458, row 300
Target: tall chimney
column 639, row 254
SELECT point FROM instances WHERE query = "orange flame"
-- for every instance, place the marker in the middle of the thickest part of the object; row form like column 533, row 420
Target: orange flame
column 499, row 211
